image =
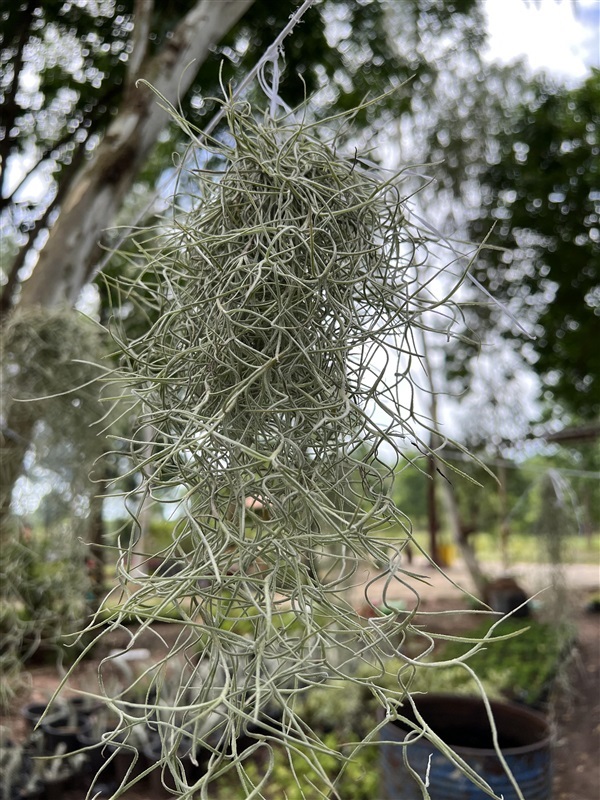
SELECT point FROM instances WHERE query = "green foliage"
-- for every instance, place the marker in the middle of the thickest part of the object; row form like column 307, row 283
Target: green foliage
column 410, row 491
column 44, row 593
column 522, row 667
column 541, row 194
column 54, row 507
column 579, row 470
column 531, row 548
column 480, row 507
column 477, row 499
column 76, row 50
column 294, row 778
column 161, row 534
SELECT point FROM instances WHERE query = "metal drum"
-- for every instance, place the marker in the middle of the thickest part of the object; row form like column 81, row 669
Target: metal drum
column 462, row 723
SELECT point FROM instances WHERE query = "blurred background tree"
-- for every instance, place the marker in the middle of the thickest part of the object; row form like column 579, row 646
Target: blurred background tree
column 541, row 196
column 82, row 148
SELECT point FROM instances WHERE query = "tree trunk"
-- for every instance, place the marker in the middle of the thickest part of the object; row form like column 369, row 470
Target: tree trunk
column 143, row 517
column 15, row 440
column 96, row 550
column 69, row 257
column 468, row 554
column 503, row 503
column 10, row 288
column 448, row 494
column 432, row 519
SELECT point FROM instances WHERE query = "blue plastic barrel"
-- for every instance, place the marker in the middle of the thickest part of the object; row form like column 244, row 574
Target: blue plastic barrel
column 462, row 723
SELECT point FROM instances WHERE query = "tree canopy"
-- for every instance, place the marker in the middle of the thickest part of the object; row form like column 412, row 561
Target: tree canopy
column 541, row 194
column 69, row 70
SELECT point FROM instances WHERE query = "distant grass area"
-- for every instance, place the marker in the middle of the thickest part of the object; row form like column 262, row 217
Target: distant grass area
column 577, row 549
column 523, row 548
column 527, row 548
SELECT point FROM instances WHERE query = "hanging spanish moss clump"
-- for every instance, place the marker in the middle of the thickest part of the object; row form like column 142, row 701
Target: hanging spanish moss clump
column 277, row 368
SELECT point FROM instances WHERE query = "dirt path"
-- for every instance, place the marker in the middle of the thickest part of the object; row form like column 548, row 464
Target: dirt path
column 577, row 750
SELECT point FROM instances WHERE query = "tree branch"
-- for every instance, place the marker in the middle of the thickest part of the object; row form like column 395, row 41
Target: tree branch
column 9, row 107
column 142, row 19
column 95, row 118
column 10, row 199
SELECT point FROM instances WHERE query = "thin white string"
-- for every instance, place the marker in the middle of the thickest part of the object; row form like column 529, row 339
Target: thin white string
column 275, row 84
column 271, row 90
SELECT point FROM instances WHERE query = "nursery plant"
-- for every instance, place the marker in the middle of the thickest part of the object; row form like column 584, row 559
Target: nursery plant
column 31, row 770
column 44, row 602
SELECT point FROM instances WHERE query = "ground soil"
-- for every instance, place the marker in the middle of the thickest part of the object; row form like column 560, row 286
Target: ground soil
column 577, row 719
column 575, row 710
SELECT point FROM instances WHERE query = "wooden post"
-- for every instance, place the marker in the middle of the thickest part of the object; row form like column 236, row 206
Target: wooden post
column 432, row 517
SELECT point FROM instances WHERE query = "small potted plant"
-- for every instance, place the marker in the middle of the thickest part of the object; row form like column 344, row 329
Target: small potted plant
column 22, row 768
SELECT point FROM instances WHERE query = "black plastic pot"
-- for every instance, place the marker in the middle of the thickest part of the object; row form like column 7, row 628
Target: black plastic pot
column 33, row 712
column 82, row 706
column 62, row 729
column 162, row 783
column 55, row 789
column 102, row 756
